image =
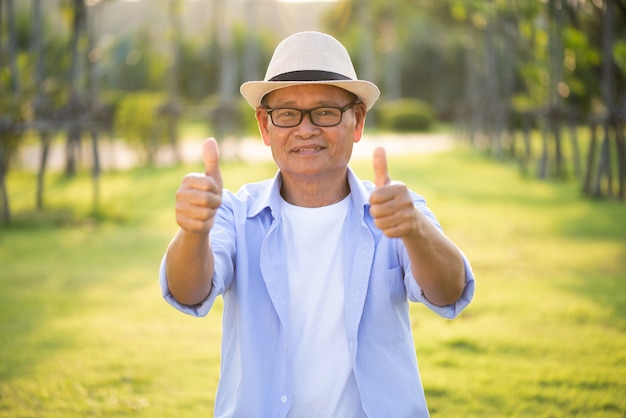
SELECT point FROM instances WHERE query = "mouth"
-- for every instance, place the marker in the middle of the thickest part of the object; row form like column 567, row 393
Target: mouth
column 306, row 149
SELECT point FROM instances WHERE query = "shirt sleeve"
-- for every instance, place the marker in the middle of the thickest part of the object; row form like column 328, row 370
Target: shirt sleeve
column 223, row 245
column 415, row 294
column 199, row 310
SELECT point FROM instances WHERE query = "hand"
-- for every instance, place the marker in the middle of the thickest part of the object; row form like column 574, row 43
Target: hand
column 200, row 195
column 391, row 205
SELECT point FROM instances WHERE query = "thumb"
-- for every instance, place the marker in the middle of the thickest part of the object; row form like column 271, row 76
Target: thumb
column 381, row 175
column 211, row 158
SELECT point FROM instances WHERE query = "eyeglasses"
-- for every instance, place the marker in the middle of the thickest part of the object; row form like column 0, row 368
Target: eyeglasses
column 320, row 116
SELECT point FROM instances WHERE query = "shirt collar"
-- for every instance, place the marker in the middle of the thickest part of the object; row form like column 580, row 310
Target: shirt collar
column 269, row 197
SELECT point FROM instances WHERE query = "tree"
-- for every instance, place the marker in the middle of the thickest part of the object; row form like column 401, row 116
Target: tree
column 611, row 122
column 41, row 106
column 171, row 109
column 11, row 118
column 76, row 101
column 226, row 111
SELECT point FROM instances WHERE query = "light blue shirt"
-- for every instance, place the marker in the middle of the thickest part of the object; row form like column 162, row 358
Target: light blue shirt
column 250, row 274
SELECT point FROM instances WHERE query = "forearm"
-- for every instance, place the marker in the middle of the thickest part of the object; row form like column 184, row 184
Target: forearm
column 436, row 263
column 189, row 267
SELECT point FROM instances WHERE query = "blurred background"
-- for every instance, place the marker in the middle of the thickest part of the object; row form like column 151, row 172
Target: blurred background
column 146, row 72
column 103, row 107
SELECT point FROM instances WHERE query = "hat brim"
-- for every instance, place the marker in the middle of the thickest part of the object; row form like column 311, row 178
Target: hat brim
column 254, row 91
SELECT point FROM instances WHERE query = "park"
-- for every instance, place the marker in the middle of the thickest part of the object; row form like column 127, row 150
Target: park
column 530, row 188
column 86, row 333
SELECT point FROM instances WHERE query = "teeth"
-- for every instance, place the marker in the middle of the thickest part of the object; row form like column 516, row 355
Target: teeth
column 309, row 149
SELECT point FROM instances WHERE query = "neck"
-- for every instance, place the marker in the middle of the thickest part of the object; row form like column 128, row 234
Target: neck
column 314, row 194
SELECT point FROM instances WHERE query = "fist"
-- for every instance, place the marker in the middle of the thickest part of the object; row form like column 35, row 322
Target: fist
column 200, row 195
column 391, row 204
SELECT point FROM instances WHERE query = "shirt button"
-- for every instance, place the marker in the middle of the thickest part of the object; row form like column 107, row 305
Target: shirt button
column 283, row 399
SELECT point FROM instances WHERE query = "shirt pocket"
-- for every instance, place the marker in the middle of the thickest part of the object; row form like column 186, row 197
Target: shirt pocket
column 386, row 307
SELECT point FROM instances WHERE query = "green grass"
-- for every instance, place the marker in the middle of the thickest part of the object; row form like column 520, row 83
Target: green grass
column 84, row 331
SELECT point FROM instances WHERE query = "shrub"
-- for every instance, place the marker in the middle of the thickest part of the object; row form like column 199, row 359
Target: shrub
column 136, row 120
column 226, row 119
column 405, row 115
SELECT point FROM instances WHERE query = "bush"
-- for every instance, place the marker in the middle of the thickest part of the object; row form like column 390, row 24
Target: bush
column 136, row 120
column 226, row 119
column 405, row 115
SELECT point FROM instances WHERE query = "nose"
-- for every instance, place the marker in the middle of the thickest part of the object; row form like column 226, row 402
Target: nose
column 306, row 128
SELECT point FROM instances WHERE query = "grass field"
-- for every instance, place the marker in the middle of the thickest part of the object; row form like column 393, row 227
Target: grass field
column 84, row 331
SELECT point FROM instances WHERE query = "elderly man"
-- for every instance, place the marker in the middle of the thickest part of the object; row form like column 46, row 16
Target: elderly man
column 316, row 267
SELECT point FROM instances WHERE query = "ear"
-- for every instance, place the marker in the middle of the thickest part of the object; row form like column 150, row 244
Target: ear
column 263, row 120
column 359, row 121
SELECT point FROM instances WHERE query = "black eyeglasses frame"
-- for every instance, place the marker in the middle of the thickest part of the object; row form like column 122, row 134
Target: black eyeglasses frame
column 304, row 112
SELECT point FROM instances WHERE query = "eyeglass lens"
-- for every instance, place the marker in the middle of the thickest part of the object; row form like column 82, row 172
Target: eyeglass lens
column 321, row 116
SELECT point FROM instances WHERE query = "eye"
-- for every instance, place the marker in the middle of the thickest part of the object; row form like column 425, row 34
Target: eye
column 286, row 113
column 326, row 111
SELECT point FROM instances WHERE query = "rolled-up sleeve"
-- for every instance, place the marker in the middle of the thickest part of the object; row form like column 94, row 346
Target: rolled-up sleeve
column 200, row 309
column 415, row 293
column 223, row 246
column 451, row 311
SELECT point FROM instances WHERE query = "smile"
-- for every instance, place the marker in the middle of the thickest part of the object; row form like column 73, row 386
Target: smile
column 308, row 149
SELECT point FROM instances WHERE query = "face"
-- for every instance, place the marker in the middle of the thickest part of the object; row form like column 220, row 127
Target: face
column 306, row 149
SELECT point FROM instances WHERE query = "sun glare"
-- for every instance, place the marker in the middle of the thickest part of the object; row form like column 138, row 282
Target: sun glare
column 308, row 1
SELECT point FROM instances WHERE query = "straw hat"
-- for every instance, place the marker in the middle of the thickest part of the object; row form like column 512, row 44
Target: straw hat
column 310, row 58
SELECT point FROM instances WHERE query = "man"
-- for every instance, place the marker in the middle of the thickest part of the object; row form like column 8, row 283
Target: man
column 316, row 267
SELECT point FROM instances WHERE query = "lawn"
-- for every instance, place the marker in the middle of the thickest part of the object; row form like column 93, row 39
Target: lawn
column 84, row 331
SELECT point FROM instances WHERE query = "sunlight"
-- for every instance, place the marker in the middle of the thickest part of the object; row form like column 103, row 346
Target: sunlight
column 308, row 1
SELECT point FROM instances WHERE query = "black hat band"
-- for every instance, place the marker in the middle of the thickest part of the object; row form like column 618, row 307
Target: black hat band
column 309, row 75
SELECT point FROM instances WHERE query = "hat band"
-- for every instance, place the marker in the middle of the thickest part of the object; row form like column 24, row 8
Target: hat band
column 309, row 75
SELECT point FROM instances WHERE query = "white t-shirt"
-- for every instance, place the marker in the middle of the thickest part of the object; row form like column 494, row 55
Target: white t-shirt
column 324, row 383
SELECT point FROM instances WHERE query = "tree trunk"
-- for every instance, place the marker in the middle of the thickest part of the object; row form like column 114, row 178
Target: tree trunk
column 575, row 148
column 172, row 81
column 392, row 63
column 558, row 149
column 593, row 128
column 76, row 63
column 474, row 110
column 75, row 109
column 542, row 170
column 608, row 97
column 72, row 150
column 367, row 50
column 40, row 106
column 1, row 22
column 4, row 196
column 604, row 166
column 16, row 90
column 507, row 90
column 553, row 113
column 251, row 48
column 228, row 71
column 527, row 152
column 5, row 214
column 41, row 173
column 12, row 48
column 37, row 46
column 621, row 157
column 491, row 112
column 95, row 172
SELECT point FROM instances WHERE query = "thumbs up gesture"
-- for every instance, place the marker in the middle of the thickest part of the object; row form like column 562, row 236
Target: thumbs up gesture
column 200, row 195
column 391, row 205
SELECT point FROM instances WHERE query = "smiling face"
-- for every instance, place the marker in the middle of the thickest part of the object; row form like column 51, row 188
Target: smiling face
column 309, row 153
